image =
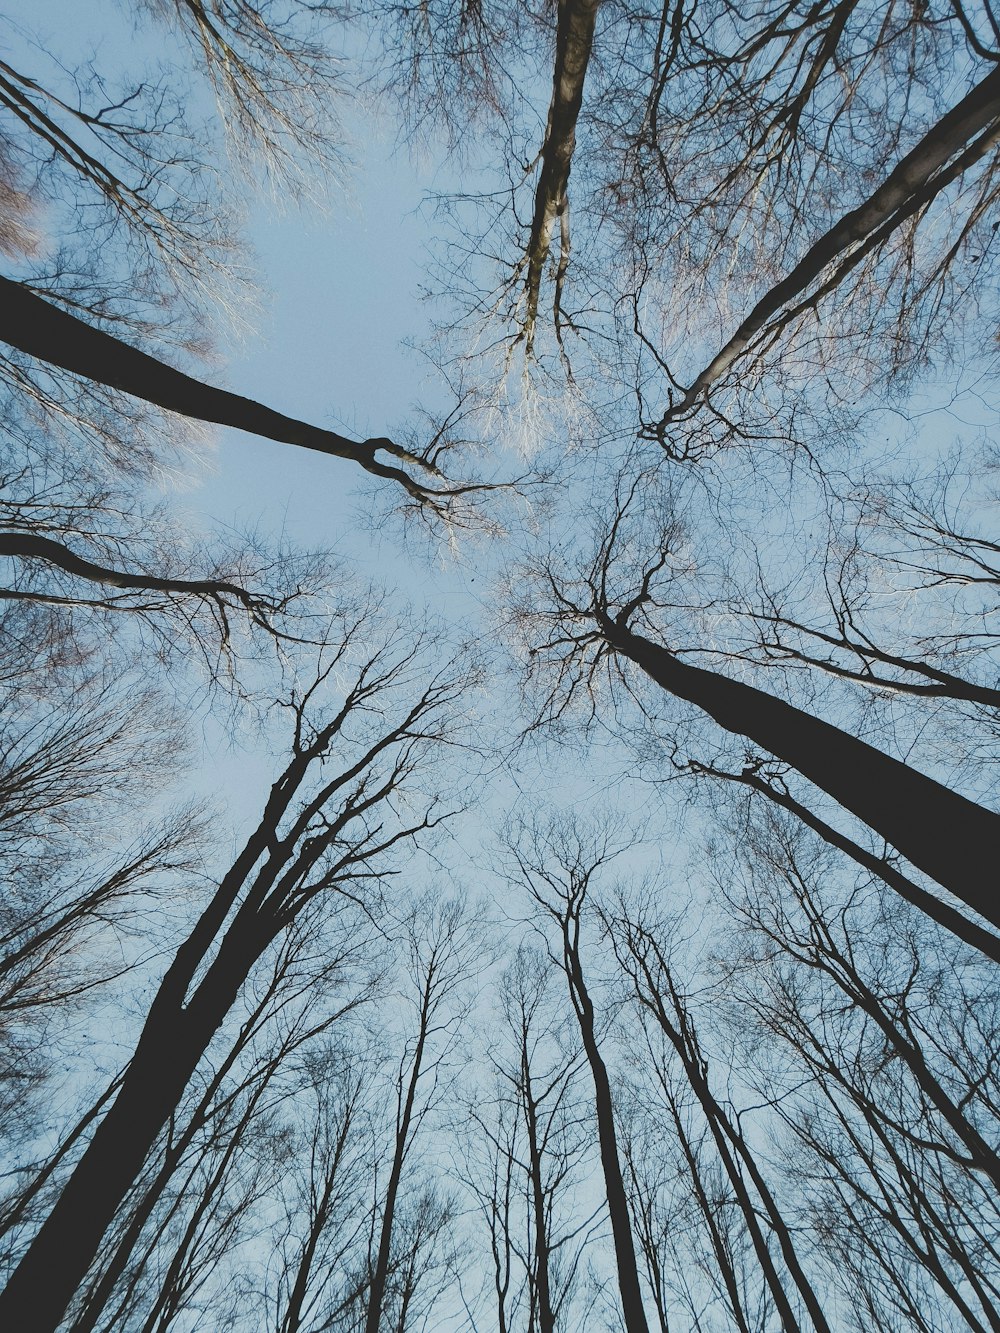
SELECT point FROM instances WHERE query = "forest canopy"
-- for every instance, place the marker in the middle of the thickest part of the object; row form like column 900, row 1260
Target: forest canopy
column 554, row 884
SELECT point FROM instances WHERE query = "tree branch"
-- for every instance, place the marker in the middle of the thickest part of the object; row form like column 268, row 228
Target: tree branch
column 41, row 329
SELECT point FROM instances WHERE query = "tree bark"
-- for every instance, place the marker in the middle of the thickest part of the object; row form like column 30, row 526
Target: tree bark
column 944, row 834
column 185, row 1013
column 546, row 1320
column 376, row 1294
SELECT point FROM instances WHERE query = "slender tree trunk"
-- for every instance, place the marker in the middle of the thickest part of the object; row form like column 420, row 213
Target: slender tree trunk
column 618, row 1210
column 172, row 1042
column 30, row 546
column 729, row 1140
column 546, row 1320
column 912, row 183
column 100, row 1293
column 942, row 833
column 376, row 1294
column 46, row 1279
column 839, row 967
column 718, row 1240
column 574, row 40
column 43, row 330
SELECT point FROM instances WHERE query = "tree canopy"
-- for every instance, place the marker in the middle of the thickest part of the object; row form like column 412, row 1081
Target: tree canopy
column 594, row 920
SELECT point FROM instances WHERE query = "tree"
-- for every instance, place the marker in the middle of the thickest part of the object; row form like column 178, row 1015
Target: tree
column 42, row 330
column 317, row 835
column 301, row 1003
column 588, row 625
column 969, row 131
column 643, row 960
column 878, row 1011
column 441, row 950
column 556, row 867
column 527, row 1152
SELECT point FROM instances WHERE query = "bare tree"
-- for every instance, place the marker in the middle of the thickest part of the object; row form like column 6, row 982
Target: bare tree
column 320, row 833
column 275, row 74
column 645, row 962
column 441, row 952
column 962, row 138
column 43, row 330
column 586, row 626
column 574, row 38
column 528, row 1153
column 556, row 867
column 894, row 1028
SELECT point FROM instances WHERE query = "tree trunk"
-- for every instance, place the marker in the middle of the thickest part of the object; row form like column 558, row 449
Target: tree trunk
column 376, row 1295
column 43, row 330
column 911, row 184
column 621, row 1224
column 574, row 41
column 46, row 1279
column 172, row 1042
column 943, row 913
column 944, row 834
column 546, row 1321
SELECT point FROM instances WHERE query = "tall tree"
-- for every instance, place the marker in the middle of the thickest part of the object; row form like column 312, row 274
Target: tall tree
column 588, row 625
column 317, row 835
column 556, row 867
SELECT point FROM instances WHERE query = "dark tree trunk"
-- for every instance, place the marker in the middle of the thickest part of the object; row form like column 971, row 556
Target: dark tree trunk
column 546, row 1320
column 43, row 330
column 176, row 1034
column 376, row 1294
column 728, row 1137
column 574, row 40
column 618, row 1210
column 171, row 1045
column 30, row 546
column 943, row 913
column 944, row 834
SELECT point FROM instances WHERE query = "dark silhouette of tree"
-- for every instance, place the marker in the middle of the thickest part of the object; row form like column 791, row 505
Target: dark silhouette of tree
column 961, row 138
column 440, row 947
column 555, row 867
column 527, row 1152
column 291, row 1014
column 645, row 963
column 587, row 625
column 41, row 329
column 891, row 1132
column 322, row 1105
column 320, row 834
column 575, row 22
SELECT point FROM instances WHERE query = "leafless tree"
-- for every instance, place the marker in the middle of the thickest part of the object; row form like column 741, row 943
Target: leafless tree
column 528, row 1153
column 555, row 866
column 894, row 1118
column 583, row 624
column 322, row 833
column 645, row 962
column 442, row 949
